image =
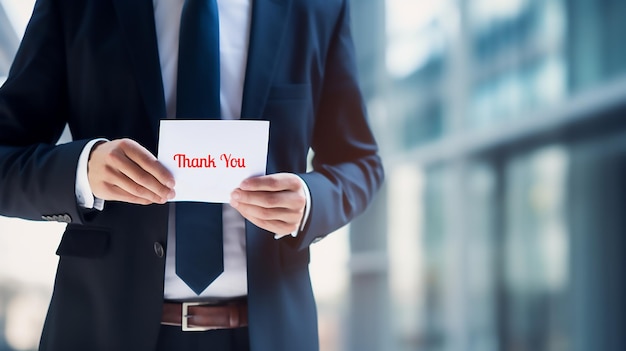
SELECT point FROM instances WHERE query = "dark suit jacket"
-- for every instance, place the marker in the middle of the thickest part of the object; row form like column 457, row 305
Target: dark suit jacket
column 94, row 65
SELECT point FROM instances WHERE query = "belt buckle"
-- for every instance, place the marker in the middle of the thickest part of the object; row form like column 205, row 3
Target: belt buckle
column 186, row 316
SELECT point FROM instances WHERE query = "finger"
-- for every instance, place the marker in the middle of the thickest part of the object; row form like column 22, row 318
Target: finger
column 107, row 190
column 274, row 226
column 148, row 162
column 291, row 216
column 122, row 195
column 129, row 186
column 141, row 183
column 272, row 182
column 113, row 184
column 111, row 174
column 137, row 174
column 294, row 200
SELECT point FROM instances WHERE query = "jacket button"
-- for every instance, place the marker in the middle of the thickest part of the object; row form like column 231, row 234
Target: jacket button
column 158, row 250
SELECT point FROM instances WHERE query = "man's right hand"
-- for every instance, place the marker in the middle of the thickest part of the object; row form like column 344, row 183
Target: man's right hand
column 123, row 170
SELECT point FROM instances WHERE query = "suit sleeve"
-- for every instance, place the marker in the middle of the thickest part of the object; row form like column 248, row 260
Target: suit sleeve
column 37, row 177
column 347, row 168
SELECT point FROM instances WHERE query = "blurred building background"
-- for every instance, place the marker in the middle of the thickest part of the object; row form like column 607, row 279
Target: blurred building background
column 501, row 225
column 8, row 43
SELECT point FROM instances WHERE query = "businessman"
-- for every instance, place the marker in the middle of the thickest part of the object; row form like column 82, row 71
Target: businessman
column 137, row 272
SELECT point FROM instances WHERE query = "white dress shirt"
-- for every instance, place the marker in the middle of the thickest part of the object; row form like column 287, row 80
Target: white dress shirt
column 234, row 17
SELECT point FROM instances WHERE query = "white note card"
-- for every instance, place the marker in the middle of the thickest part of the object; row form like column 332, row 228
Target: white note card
column 210, row 158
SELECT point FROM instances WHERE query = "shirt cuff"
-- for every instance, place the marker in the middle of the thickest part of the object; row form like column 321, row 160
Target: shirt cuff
column 84, row 195
column 305, row 216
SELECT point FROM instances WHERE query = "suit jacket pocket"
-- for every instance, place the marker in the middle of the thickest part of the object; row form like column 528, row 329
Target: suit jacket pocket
column 290, row 113
column 84, row 241
column 289, row 106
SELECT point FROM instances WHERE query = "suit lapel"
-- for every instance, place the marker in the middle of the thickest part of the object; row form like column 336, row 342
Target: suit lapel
column 269, row 19
column 137, row 21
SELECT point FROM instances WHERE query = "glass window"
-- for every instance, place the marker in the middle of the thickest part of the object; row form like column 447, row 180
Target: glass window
column 416, row 34
column 518, row 58
column 442, row 258
column 595, row 41
column 406, row 255
column 535, row 250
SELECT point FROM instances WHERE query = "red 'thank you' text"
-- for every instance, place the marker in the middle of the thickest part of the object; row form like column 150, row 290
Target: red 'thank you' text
column 209, row 161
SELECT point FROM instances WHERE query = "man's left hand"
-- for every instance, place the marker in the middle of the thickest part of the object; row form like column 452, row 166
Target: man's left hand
column 273, row 202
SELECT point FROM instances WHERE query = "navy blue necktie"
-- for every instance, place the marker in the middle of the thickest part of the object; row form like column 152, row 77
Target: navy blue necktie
column 199, row 244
